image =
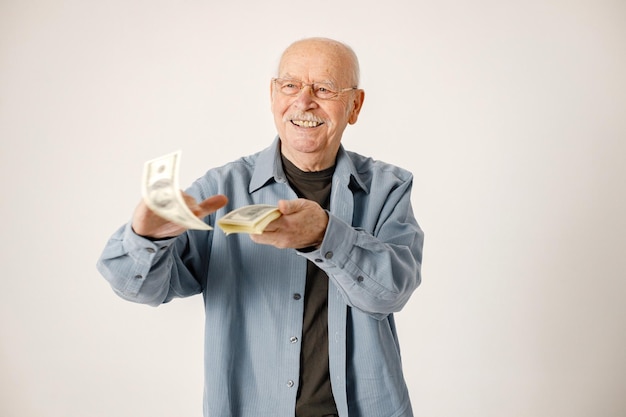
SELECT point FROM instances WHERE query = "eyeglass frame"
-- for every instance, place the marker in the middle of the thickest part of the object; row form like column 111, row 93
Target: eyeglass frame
column 303, row 85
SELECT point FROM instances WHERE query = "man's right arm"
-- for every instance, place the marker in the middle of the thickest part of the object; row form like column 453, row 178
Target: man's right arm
column 142, row 261
column 139, row 269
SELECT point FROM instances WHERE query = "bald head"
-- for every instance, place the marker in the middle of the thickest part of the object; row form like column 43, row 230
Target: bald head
column 343, row 56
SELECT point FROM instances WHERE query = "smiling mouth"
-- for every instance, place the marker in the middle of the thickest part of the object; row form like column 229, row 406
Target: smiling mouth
column 306, row 123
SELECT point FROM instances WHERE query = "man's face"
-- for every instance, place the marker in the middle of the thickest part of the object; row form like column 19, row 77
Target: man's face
column 310, row 128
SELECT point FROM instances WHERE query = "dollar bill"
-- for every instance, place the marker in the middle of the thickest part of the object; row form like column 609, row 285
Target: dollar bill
column 249, row 219
column 161, row 192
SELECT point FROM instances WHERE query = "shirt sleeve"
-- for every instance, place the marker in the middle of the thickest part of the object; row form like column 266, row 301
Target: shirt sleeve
column 146, row 271
column 376, row 271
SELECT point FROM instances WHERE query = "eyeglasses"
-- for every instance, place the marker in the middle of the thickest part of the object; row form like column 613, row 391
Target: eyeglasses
column 323, row 91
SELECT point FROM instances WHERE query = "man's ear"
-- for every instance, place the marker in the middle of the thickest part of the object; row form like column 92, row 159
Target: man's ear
column 357, row 104
column 272, row 95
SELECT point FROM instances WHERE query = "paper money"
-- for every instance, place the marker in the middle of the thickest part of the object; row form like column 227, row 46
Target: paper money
column 162, row 194
column 248, row 219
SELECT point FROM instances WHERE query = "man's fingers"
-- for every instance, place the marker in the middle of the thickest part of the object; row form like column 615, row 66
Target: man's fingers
column 212, row 204
column 204, row 207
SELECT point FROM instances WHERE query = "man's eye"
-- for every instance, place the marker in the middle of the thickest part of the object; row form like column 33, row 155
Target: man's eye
column 290, row 88
column 324, row 91
column 325, row 88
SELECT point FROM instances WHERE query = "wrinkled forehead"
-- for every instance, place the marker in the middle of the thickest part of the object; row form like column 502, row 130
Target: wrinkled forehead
column 320, row 61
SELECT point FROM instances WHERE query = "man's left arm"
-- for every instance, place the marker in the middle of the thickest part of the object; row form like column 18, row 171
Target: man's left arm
column 376, row 270
column 376, row 274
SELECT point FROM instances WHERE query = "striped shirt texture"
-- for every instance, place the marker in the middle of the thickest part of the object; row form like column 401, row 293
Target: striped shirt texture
column 254, row 294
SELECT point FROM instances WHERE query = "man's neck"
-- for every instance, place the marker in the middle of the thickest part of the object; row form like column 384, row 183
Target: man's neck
column 310, row 162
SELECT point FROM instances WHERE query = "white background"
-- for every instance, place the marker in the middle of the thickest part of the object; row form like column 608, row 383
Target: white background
column 510, row 114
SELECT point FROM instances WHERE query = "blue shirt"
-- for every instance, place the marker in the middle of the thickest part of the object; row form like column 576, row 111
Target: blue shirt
column 253, row 294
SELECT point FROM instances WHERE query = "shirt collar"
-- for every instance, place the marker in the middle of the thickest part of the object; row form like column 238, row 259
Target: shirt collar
column 269, row 167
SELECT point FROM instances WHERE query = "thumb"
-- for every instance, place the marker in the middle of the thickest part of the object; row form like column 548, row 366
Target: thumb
column 211, row 204
column 289, row 206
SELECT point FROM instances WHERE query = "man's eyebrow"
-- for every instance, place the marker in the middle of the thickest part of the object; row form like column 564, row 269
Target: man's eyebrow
column 288, row 76
column 329, row 82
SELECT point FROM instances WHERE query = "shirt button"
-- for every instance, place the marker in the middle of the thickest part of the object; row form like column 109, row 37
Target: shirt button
column 359, row 278
column 293, row 339
column 290, row 383
column 150, row 250
column 328, row 255
column 297, row 296
column 318, row 260
column 138, row 276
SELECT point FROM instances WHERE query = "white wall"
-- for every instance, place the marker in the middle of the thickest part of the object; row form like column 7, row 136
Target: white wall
column 511, row 115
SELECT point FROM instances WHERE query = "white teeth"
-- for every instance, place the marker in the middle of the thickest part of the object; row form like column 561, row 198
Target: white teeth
column 305, row 123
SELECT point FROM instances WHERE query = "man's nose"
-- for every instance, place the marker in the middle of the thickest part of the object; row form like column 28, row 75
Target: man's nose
column 305, row 98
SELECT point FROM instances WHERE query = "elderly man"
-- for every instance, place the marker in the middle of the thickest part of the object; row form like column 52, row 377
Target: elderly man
column 299, row 319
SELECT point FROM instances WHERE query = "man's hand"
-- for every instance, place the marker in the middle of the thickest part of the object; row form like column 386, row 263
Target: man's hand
column 302, row 224
column 146, row 223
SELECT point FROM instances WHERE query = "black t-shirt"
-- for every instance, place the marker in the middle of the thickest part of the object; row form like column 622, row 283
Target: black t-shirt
column 315, row 397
